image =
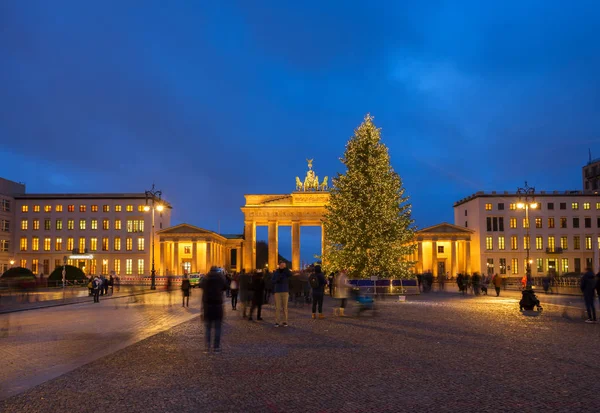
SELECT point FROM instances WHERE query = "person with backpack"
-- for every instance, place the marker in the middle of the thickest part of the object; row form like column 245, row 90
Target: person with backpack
column 317, row 284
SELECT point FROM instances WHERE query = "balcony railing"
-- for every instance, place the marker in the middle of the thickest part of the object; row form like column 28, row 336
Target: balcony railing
column 555, row 250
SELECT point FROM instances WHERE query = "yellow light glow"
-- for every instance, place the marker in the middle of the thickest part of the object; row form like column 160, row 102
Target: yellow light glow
column 159, row 208
column 146, row 208
column 534, row 205
column 520, row 205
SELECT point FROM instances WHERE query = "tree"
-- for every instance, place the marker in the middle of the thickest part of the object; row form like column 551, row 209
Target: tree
column 73, row 274
column 368, row 227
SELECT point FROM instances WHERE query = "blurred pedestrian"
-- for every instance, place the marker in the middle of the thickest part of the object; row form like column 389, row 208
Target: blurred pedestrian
column 213, row 286
column 233, row 290
column 268, row 280
column 245, row 283
column 281, row 288
column 331, row 283
column 588, row 287
column 342, row 291
column 185, row 289
column 96, row 286
column 317, row 283
column 258, row 294
column 497, row 281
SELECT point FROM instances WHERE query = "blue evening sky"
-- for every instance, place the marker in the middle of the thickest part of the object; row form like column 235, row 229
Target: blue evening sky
column 212, row 100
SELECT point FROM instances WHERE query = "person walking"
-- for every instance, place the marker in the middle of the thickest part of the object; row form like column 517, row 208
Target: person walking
column 331, row 283
column 245, row 283
column 281, row 289
column 185, row 289
column 317, row 284
column 342, row 291
column 588, row 287
column 213, row 286
column 233, row 290
column 258, row 294
column 96, row 286
column 497, row 281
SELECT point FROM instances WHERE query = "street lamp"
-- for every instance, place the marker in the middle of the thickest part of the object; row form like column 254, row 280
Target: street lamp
column 526, row 201
column 12, row 262
column 154, row 196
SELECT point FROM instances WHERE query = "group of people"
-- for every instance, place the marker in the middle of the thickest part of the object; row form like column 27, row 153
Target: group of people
column 590, row 286
column 98, row 285
column 253, row 292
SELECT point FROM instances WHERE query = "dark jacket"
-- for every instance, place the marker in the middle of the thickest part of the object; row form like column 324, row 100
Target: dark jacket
column 588, row 283
column 258, row 288
column 268, row 279
column 281, row 280
column 213, row 286
column 322, row 283
column 245, row 287
column 185, row 284
column 598, row 283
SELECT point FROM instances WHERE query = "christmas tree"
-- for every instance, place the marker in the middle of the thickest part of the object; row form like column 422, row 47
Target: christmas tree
column 368, row 228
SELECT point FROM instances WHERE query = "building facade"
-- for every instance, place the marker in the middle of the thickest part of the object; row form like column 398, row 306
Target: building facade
column 98, row 233
column 563, row 232
column 8, row 190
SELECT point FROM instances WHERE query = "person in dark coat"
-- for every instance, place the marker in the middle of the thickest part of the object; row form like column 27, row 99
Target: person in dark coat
column 185, row 289
column 258, row 293
column 268, row 280
column 317, row 283
column 598, row 285
column 245, row 284
column 213, row 286
column 588, row 288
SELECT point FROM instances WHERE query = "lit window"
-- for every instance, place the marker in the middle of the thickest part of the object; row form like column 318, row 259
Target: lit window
column 4, row 245
column 525, row 223
column 59, row 224
column 564, row 265
column 70, row 244
column 489, row 243
column 117, row 266
column 117, row 224
column 58, row 208
column 538, row 222
column 23, row 244
column 563, row 222
column 488, row 207
column 140, row 208
column 539, row 243
column 105, row 246
column 47, row 224
column 128, row 266
column 140, row 244
column 135, row 225
column 105, row 208
column 575, row 206
column 512, row 207
column 526, row 242
column 94, row 224
column 513, row 222
column 93, row 266
column 25, row 208
column 586, row 205
column 514, row 242
column 597, row 205
column 140, row 266
column 564, row 243
column 58, row 244
column 71, row 208
column 36, row 224
column 23, row 264
column 47, row 208
column 71, row 224
column 540, row 264
column 105, row 224
column 129, row 208
column 129, row 244
column 588, row 242
column 82, row 208
column 576, row 242
column 24, row 223
column 501, row 242
column 104, row 266
column 551, row 245
column 117, row 243
column 515, row 266
column 82, row 224
column 94, row 208
column 47, row 244
column 93, row 244
column 81, row 244
column 34, row 265
column 35, row 244
column 550, row 222
column 36, row 208
column 117, row 208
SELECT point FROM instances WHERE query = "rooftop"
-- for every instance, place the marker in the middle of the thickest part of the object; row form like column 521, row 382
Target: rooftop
column 506, row 194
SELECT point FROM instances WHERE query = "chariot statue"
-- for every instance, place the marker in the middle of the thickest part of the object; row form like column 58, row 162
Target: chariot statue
column 324, row 186
column 311, row 181
column 298, row 184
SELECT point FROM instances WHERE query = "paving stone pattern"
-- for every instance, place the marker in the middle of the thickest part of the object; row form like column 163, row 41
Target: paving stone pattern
column 437, row 353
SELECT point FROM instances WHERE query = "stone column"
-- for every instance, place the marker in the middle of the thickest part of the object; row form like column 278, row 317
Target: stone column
column 161, row 258
column 194, row 256
column 209, row 261
column 273, row 244
column 434, row 264
column 420, row 262
column 176, row 266
column 454, row 263
column 295, row 245
column 468, row 256
column 249, row 246
column 238, row 258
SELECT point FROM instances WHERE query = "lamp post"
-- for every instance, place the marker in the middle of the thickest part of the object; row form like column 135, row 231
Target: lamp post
column 12, row 263
column 154, row 196
column 526, row 201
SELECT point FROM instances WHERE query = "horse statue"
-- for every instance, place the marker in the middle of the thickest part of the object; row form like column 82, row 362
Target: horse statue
column 298, row 184
column 324, row 184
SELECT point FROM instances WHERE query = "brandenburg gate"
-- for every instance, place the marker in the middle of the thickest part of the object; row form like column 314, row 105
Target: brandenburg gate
column 304, row 207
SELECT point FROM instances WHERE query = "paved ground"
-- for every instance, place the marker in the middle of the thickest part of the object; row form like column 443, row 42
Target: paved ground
column 38, row 345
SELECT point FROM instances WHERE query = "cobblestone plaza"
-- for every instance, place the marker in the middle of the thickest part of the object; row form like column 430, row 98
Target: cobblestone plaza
column 436, row 352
